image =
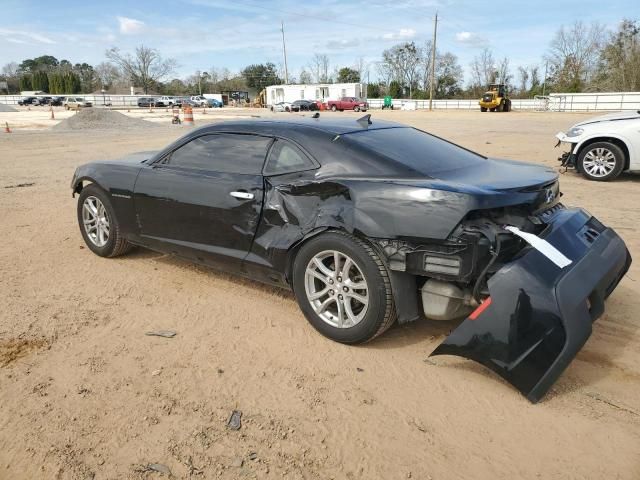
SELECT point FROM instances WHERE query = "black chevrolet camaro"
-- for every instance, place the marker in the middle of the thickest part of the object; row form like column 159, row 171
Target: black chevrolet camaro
column 371, row 223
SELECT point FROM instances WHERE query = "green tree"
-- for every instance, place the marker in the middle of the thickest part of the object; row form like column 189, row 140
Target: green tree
column 395, row 89
column 25, row 83
column 620, row 59
column 261, row 75
column 373, row 90
column 348, row 75
column 43, row 63
column 40, row 82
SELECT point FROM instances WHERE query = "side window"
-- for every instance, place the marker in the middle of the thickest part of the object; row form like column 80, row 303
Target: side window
column 223, row 152
column 286, row 158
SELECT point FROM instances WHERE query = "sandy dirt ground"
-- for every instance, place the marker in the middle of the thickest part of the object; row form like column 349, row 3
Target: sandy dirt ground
column 85, row 394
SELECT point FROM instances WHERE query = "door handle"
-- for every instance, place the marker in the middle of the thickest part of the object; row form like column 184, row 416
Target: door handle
column 242, row 195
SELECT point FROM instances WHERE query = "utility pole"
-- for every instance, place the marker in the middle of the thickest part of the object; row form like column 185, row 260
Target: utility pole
column 544, row 80
column 284, row 54
column 433, row 61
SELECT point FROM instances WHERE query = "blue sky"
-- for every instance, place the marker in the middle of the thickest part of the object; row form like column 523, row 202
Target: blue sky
column 202, row 34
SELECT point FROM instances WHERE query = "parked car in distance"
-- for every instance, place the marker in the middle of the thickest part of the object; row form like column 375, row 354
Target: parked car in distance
column 304, row 106
column 348, row 103
column 369, row 222
column 215, row 103
column 601, row 148
column 43, row 101
column 56, row 101
column 28, row 101
column 150, row 102
column 75, row 102
column 167, row 100
column 281, row 107
column 199, row 100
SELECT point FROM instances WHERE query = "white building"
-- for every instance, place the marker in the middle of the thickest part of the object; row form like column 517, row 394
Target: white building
column 317, row 91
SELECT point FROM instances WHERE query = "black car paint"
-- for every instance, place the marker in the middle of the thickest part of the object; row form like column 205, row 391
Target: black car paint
column 351, row 190
column 539, row 315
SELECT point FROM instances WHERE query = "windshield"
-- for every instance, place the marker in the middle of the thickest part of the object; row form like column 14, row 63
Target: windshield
column 418, row 150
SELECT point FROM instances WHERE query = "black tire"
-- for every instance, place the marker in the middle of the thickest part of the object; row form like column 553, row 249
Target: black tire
column 501, row 106
column 381, row 312
column 483, row 109
column 615, row 150
column 334, row 108
column 116, row 244
column 507, row 106
column 356, row 109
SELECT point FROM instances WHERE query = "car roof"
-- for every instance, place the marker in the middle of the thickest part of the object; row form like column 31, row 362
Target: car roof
column 337, row 126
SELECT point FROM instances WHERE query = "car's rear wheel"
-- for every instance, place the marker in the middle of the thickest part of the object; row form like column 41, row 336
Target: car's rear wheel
column 356, row 109
column 343, row 288
column 601, row 161
column 334, row 108
column 98, row 223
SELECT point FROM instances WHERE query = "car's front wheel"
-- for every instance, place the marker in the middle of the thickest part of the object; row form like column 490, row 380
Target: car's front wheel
column 343, row 288
column 601, row 161
column 334, row 108
column 98, row 223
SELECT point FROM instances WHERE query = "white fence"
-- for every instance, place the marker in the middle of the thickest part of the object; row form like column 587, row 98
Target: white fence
column 555, row 102
column 97, row 100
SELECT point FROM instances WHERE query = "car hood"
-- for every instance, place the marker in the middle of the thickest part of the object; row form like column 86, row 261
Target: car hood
column 611, row 117
column 137, row 157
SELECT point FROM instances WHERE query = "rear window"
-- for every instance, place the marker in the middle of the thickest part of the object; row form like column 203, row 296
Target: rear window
column 416, row 149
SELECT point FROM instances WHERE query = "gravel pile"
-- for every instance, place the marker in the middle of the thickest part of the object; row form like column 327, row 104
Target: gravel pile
column 101, row 119
column 7, row 108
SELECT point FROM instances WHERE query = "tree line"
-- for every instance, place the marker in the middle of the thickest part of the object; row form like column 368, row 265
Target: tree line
column 579, row 58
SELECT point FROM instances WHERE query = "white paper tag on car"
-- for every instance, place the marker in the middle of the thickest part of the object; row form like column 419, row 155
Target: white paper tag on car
column 544, row 247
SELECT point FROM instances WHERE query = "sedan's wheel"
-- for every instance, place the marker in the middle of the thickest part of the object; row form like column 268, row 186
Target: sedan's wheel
column 95, row 221
column 336, row 289
column 601, row 161
column 98, row 223
column 343, row 288
column 334, row 108
column 356, row 109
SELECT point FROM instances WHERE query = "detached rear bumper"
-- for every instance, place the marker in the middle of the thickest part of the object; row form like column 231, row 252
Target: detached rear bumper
column 538, row 316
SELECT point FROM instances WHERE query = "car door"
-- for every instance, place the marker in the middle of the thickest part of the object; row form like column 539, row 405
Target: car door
column 204, row 199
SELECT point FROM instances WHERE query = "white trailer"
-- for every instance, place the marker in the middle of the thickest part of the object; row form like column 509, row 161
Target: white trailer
column 317, row 91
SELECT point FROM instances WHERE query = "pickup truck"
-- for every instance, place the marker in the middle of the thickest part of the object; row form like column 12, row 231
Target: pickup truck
column 348, row 103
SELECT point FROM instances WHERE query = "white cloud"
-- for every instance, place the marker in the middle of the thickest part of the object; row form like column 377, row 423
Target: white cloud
column 130, row 26
column 22, row 36
column 471, row 39
column 402, row 34
column 338, row 44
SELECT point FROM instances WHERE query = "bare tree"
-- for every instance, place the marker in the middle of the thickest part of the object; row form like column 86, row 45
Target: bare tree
column 361, row 67
column 573, row 55
column 305, row 77
column 523, row 75
column 320, row 67
column 483, row 70
column 145, row 68
column 107, row 74
column 620, row 59
column 404, row 61
column 425, row 62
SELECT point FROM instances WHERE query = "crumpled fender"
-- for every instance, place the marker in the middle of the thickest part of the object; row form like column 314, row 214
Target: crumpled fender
column 538, row 316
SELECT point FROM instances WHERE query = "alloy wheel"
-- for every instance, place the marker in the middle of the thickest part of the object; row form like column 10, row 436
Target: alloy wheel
column 96, row 221
column 336, row 289
column 599, row 162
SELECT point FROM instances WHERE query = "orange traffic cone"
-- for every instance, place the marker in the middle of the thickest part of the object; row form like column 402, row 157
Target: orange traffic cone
column 6, row 128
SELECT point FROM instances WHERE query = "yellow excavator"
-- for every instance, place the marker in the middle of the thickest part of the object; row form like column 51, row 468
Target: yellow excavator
column 495, row 99
column 261, row 99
